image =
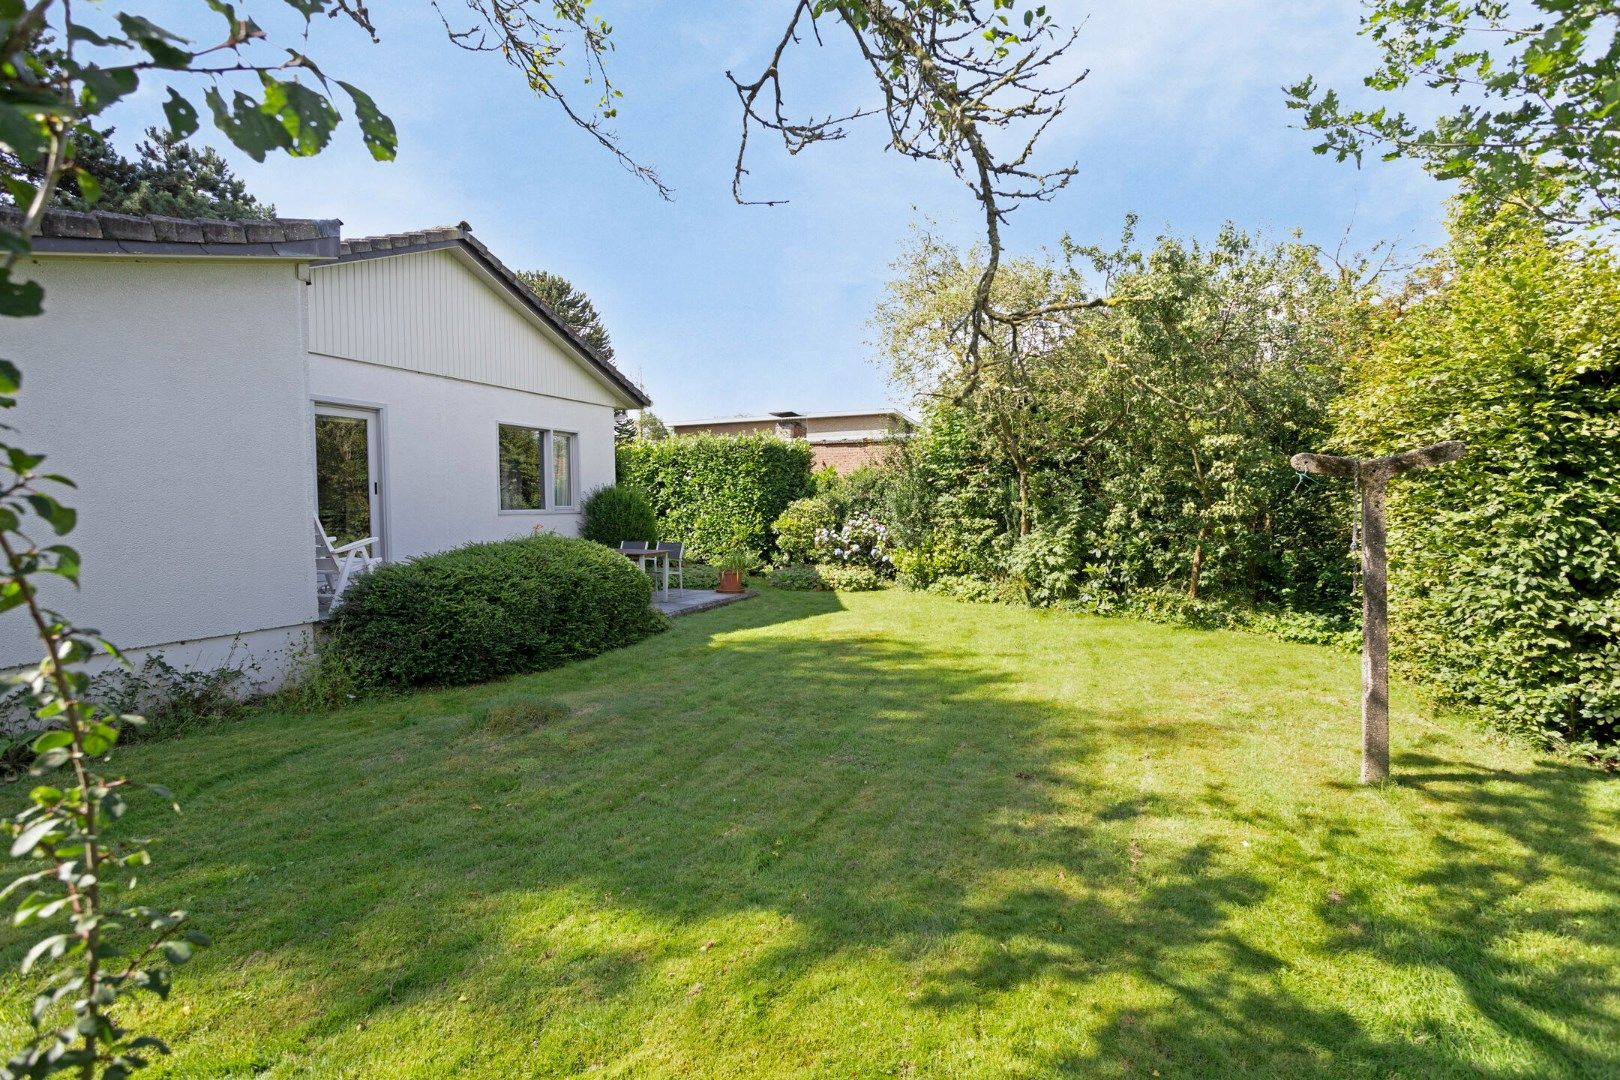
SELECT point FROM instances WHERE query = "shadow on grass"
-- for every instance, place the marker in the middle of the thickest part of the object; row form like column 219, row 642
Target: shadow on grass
column 858, row 799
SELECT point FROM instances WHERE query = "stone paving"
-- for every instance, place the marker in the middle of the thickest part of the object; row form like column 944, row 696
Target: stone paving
column 687, row 601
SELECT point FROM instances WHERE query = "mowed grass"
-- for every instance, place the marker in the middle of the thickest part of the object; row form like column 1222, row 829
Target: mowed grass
column 886, row 835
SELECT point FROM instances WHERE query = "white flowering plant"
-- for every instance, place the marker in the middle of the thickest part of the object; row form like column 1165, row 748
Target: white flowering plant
column 862, row 540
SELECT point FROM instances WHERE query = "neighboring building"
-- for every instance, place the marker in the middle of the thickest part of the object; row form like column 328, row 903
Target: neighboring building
column 212, row 387
column 846, row 441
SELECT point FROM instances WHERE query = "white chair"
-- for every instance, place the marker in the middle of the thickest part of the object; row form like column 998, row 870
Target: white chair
column 336, row 566
column 677, row 560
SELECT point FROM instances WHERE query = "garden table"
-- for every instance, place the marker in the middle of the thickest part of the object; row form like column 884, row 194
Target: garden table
column 659, row 559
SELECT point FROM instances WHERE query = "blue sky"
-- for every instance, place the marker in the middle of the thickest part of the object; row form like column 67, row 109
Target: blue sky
column 722, row 309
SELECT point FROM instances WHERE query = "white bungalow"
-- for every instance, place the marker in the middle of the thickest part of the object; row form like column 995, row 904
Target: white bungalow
column 213, row 386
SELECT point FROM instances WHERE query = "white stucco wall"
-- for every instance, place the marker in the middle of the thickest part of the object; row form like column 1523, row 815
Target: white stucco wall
column 439, row 451
column 174, row 393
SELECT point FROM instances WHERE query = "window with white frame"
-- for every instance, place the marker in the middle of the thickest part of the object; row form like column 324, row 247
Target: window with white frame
column 536, row 468
column 562, row 469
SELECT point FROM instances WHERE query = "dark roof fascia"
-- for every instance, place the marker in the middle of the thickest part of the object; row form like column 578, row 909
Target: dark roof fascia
column 72, row 232
column 297, row 250
column 516, row 287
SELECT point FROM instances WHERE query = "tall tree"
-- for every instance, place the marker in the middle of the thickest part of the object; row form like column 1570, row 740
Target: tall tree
column 168, row 176
column 572, row 306
column 1535, row 83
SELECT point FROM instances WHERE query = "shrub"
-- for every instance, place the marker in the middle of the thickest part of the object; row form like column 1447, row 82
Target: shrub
column 799, row 525
column 797, row 578
column 173, row 701
column 851, row 578
column 824, row 578
column 863, row 491
column 714, row 492
column 617, row 513
column 1504, row 568
column 488, row 610
column 862, row 541
column 700, row 576
column 1045, row 564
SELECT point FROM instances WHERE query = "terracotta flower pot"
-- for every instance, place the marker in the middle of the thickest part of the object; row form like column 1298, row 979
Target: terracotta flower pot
column 731, row 581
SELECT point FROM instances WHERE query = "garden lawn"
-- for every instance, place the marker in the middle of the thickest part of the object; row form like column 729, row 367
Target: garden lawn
column 887, row 834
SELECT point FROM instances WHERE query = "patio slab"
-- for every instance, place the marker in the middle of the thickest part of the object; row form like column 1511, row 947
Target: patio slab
column 687, row 601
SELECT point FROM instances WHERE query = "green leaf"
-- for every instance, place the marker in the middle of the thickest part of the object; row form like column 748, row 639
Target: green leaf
column 51, row 740
column 376, row 129
column 182, row 115
column 56, row 945
column 305, row 115
column 161, row 45
column 29, row 838
column 21, row 299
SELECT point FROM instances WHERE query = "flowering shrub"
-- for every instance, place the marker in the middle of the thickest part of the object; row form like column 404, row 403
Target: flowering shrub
column 861, row 541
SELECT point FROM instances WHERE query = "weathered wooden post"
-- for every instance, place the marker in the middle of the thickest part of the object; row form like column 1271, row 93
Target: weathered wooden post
column 1371, row 476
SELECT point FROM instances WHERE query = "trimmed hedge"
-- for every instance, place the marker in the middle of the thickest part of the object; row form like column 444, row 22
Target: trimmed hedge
column 617, row 513
column 715, row 492
column 1505, row 567
column 485, row 611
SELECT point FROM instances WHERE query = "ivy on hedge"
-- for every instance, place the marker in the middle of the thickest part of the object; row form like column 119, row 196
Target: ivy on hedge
column 717, row 493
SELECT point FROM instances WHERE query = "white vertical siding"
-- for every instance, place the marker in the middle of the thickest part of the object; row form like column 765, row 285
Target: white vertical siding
column 430, row 312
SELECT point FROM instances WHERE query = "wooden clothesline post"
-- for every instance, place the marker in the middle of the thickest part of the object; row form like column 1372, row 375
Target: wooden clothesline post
column 1371, row 476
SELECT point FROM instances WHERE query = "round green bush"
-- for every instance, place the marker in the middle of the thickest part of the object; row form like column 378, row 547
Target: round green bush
column 617, row 513
column 799, row 527
column 489, row 610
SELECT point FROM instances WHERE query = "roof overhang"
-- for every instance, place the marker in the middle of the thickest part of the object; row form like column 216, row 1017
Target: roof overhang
column 66, row 232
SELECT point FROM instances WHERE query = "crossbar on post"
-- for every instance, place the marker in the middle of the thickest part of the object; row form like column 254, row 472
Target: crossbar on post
column 1371, row 476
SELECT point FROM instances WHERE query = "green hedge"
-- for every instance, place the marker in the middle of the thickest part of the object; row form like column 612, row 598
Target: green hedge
column 1505, row 566
column 489, row 610
column 716, row 493
column 617, row 513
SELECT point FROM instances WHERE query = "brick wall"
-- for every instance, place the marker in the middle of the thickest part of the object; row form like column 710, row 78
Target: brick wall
column 846, row 457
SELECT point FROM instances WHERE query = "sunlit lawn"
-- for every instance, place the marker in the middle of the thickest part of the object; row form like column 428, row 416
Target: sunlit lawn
column 889, row 835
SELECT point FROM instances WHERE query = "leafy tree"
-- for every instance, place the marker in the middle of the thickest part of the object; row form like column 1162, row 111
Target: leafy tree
column 1507, row 588
column 1536, row 83
column 1137, row 447
column 649, row 428
column 571, row 306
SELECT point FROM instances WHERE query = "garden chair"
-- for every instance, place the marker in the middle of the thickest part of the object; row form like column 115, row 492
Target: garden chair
column 336, row 566
column 677, row 561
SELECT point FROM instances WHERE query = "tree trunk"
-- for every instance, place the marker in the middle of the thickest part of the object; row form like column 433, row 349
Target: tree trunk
column 1374, row 635
column 1023, row 497
column 1197, row 562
